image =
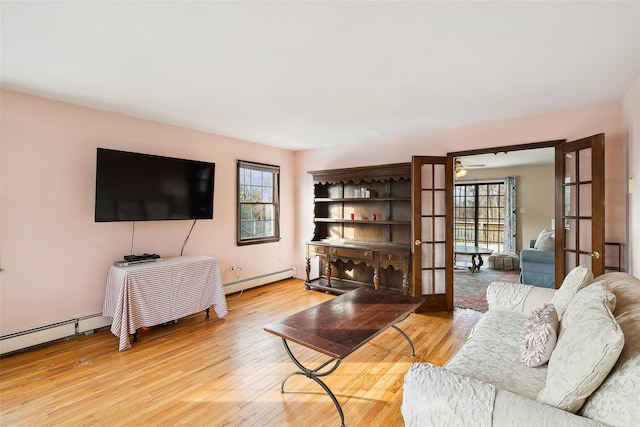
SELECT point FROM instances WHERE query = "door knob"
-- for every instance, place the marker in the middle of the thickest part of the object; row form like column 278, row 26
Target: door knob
column 417, row 242
column 595, row 254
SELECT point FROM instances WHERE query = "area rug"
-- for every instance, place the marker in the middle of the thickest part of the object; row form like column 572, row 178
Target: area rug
column 470, row 289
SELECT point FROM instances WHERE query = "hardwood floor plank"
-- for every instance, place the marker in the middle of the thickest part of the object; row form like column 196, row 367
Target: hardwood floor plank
column 220, row 372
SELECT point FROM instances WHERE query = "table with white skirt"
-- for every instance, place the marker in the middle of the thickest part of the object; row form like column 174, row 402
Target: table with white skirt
column 155, row 293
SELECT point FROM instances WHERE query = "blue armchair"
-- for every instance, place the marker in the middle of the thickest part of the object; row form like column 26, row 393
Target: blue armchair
column 537, row 267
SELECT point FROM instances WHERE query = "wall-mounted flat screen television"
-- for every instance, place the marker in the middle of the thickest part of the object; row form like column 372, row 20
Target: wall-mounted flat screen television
column 144, row 187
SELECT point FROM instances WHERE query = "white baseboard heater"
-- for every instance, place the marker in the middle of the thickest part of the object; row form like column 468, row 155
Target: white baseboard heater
column 36, row 336
column 254, row 282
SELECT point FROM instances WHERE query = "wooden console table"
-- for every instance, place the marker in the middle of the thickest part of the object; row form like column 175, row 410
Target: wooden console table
column 154, row 293
column 473, row 251
column 379, row 256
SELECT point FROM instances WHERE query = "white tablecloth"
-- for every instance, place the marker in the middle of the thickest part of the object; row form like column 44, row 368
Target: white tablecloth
column 153, row 293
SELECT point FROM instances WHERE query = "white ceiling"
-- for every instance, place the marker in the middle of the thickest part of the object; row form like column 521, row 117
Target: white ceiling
column 537, row 156
column 299, row 75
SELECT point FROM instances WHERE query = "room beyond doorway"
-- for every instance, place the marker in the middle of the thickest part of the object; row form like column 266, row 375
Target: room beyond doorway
column 479, row 215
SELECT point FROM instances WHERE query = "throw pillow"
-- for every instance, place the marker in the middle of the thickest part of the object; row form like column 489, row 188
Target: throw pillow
column 577, row 279
column 548, row 243
column 587, row 349
column 538, row 336
column 544, row 233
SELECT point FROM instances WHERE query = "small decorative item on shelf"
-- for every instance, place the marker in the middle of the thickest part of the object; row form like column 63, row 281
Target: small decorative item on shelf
column 356, row 193
column 375, row 216
column 353, row 216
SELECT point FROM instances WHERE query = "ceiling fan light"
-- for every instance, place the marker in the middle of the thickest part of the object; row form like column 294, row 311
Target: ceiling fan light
column 460, row 172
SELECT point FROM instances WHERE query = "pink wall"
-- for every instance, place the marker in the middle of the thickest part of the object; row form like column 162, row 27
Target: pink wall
column 55, row 256
column 565, row 124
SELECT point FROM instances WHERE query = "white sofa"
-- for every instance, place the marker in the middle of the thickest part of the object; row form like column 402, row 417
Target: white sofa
column 592, row 377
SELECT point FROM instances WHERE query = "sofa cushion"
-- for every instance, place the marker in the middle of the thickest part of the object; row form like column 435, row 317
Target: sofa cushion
column 617, row 400
column 543, row 234
column 589, row 343
column 538, row 336
column 577, row 279
column 548, row 243
column 492, row 354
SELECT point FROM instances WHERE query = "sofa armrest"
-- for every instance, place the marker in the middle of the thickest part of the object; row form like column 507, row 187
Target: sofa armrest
column 511, row 410
column 537, row 298
column 517, row 296
column 435, row 396
column 507, row 296
column 538, row 256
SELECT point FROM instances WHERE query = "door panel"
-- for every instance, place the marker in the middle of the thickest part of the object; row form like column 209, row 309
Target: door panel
column 432, row 263
column 580, row 206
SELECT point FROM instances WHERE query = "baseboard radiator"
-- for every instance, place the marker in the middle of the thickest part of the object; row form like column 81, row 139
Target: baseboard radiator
column 254, row 282
column 86, row 325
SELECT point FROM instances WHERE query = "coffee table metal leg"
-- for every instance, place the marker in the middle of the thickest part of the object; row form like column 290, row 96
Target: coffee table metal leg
column 315, row 375
column 406, row 337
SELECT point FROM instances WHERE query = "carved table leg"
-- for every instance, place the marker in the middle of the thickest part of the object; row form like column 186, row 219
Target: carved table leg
column 327, row 271
column 376, row 279
column 473, row 263
column 307, row 268
column 405, row 283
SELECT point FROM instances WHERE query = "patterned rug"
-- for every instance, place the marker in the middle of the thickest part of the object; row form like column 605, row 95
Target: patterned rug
column 470, row 289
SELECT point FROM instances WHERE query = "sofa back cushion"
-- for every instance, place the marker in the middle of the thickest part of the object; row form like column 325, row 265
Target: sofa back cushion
column 543, row 235
column 548, row 243
column 589, row 343
column 617, row 401
column 577, row 279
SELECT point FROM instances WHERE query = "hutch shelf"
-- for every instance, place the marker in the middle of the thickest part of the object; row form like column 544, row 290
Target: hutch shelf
column 362, row 231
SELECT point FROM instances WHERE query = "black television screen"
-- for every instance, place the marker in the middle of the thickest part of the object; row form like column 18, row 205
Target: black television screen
column 143, row 187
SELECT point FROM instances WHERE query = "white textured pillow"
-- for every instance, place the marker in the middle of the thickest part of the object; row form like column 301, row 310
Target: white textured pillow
column 587, row 348
column 548, row 243
column 577, row 279
column 538, row 336
column 616, row 401
column 543, row 234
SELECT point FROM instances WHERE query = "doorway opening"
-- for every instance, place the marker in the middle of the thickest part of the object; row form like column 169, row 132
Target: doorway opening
column 479, row 212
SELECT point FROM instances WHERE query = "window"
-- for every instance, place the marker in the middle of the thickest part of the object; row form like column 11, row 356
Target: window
column 479, row 215
column 258, row 214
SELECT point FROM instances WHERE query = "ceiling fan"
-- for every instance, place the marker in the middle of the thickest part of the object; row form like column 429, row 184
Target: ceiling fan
column 461, row 169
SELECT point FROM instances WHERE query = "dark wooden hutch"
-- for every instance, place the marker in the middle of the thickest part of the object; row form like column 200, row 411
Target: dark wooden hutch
column 362, row 231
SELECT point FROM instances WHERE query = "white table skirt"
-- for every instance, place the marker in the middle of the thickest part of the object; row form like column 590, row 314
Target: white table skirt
column 153, row 293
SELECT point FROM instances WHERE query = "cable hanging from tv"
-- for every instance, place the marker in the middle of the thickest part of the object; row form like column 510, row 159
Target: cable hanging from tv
column 185, row 240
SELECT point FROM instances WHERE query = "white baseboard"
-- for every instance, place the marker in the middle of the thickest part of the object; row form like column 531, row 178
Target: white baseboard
column 31, row 337
column 44, row 334
column 95, row 321
column 256, row 281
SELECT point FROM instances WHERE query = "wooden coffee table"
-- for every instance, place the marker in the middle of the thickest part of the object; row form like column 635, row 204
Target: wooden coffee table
column 473, row 251
column 340, row 326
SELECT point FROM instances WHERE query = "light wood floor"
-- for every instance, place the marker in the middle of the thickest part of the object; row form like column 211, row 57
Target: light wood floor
column 220, row 372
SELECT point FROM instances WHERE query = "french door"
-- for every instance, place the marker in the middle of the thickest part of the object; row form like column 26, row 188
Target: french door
column 579, row 225
column 579, row 213
column 432, row 228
